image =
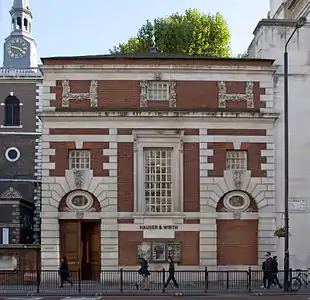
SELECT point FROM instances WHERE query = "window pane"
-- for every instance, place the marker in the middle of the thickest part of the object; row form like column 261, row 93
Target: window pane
column 158, row 180
column 236, row 160
column 12, row 115
column 174, row 251
column 158, row 91
column 79, row 159
column 158, row 251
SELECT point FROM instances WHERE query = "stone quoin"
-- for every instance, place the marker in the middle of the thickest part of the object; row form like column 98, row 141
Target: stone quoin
column 155, row 156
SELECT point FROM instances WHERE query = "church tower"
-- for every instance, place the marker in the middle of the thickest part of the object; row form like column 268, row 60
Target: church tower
column 20, row 132
column 20, row 49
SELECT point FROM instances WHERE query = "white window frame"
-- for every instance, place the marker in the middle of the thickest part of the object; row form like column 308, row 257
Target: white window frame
column 152, row 139
column 154, row 85
column 70, row 159
column 237, row 151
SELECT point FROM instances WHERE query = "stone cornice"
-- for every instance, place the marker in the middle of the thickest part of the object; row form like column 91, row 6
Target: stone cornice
column 83, row 116
column 275, row 22
column 48, row 69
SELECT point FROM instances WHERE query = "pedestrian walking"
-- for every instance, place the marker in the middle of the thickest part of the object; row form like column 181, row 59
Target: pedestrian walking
column 265, row 273
column 275, row 271
column 64, row 272
column 171, row 273
column 145, row 273
column 268, row 279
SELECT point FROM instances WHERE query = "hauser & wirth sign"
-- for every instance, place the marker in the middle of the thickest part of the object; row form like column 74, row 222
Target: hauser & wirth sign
column 158, row 227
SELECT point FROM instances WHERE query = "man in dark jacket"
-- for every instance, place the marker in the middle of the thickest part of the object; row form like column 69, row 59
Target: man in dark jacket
column 275, row 271
column 171, row 273
column 267, row 269
column 64, row 272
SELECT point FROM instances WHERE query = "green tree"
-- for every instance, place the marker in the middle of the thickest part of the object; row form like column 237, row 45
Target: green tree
column 242, row 55
column 192, row 33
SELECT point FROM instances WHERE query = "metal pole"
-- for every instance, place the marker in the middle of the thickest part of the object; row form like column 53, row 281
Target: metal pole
column 286, row 176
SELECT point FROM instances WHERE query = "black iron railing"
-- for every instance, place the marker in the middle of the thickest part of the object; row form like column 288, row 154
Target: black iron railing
column 123, row 281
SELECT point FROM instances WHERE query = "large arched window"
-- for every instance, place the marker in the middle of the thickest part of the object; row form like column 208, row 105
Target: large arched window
column 11, row 111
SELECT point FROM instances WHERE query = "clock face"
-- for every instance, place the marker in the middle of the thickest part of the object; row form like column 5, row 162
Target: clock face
column 17, row 48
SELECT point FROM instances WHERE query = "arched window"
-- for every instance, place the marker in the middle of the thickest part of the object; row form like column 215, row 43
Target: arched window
column 11, row 111
column 26, row 24
column 19, row 23
column 13, row 24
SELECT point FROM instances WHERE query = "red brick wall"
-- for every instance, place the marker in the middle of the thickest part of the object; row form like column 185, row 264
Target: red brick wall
column 219, row 158
column 111, row 93
column 61, row 157
column 237, row 132
column 126, row 94
column 204, row 94
column 191, row 177
column 125, row 177
column 129, row 240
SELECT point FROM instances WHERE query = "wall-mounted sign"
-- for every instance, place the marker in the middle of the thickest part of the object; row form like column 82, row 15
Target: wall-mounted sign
column 158, row 227
column 298, row 204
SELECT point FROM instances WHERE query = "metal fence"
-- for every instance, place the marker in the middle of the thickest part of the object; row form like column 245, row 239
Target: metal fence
column 124, row 281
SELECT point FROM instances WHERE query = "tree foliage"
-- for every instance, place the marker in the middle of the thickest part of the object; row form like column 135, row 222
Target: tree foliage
column 192, row 33
column 242, row 55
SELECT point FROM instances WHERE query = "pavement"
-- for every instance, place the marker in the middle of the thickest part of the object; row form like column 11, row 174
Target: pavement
column 146, row 297
column 94, row 291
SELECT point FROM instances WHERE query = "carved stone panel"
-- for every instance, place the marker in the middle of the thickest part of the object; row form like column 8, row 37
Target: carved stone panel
column 248, row 96
column 143, row 93
column 172, row 94
column 238, row 178
column 79, row 178
column 68, row 96
column 11, row 193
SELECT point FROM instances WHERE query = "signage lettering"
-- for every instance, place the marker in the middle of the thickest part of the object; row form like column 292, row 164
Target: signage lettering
column 158, row 227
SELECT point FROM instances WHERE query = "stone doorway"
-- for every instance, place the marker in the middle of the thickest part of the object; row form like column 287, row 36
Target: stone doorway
column 80, row 243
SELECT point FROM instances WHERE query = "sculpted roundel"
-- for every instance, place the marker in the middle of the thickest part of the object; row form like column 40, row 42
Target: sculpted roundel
column 79, row 201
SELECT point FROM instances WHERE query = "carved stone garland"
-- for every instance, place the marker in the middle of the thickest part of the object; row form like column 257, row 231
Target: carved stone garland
column 67, row 95
column 248, row 96
column 238, row 178
column 78, row 178
column 143, row 91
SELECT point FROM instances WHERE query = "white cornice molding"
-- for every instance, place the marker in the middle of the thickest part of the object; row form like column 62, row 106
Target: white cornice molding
column 122, row 115
column 154, row 68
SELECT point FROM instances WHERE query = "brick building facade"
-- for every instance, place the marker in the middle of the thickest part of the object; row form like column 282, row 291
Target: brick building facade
column 157, row 156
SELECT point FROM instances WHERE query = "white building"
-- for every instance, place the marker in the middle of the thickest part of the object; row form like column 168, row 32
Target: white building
column 270, row 37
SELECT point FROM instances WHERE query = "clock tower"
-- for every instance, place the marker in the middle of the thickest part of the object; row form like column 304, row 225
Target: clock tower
column 20, row 48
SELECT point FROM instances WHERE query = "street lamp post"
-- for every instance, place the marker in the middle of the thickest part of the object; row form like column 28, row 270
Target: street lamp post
column 300, row 23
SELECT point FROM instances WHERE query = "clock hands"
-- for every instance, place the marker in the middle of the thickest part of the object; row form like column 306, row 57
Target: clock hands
column 19, row 49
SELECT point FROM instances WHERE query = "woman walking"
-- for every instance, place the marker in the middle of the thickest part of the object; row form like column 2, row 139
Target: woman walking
column 145, row 273
column 64, row 272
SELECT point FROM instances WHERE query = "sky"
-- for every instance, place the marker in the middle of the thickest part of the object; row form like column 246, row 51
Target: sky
column 78, row 27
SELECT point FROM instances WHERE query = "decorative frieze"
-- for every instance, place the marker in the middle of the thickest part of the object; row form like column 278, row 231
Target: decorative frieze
column 248, row 96
column 68, row 96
